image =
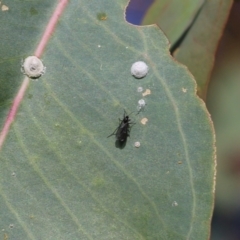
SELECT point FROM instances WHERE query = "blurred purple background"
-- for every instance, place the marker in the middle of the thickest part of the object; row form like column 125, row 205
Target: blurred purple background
column 136, row 10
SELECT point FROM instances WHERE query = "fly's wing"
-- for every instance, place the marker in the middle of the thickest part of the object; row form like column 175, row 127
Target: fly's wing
column 122, row 132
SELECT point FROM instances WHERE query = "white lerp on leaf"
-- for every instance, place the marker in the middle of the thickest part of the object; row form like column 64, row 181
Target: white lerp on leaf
column 141, row 104
column 33, row 67
column 137, row 144
column 139, row 69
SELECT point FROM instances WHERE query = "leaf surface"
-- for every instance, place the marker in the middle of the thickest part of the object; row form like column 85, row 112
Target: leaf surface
column 173, row 17
column 62, row 178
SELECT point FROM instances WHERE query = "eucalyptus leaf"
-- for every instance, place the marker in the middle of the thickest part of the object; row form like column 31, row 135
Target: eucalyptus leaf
column 62, row 178
column 199, row 47
column 173, row 17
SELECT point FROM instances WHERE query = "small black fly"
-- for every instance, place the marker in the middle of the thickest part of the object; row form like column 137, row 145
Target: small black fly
column 122, row 132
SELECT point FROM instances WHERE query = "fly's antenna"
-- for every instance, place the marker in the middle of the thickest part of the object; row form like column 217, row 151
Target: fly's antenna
column 131, row 113
column 125, row 113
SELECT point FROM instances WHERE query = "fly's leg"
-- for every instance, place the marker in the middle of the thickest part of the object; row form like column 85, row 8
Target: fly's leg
column 114, row 132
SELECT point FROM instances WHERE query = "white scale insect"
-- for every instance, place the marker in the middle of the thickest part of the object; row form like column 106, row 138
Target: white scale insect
column 33, row 67
column 139, row 69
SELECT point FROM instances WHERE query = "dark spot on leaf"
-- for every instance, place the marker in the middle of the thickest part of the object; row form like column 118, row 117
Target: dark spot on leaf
column 11, row 226
column 33, row 11
column 102, row 16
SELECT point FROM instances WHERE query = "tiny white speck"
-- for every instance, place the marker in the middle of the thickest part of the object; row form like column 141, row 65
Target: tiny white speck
column 139, row 69
column 174, row 204
column 11, row 226
column 13, row 174
column 184, row 90
column 139, row 89
column 141, row 104
column 126, row 47
column 99, row 46
column 137, row 144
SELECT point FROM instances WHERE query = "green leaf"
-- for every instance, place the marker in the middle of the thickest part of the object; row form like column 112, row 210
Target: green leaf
column 173, row 17
column 21, row 28
column 62, row 178
column 198, row 49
